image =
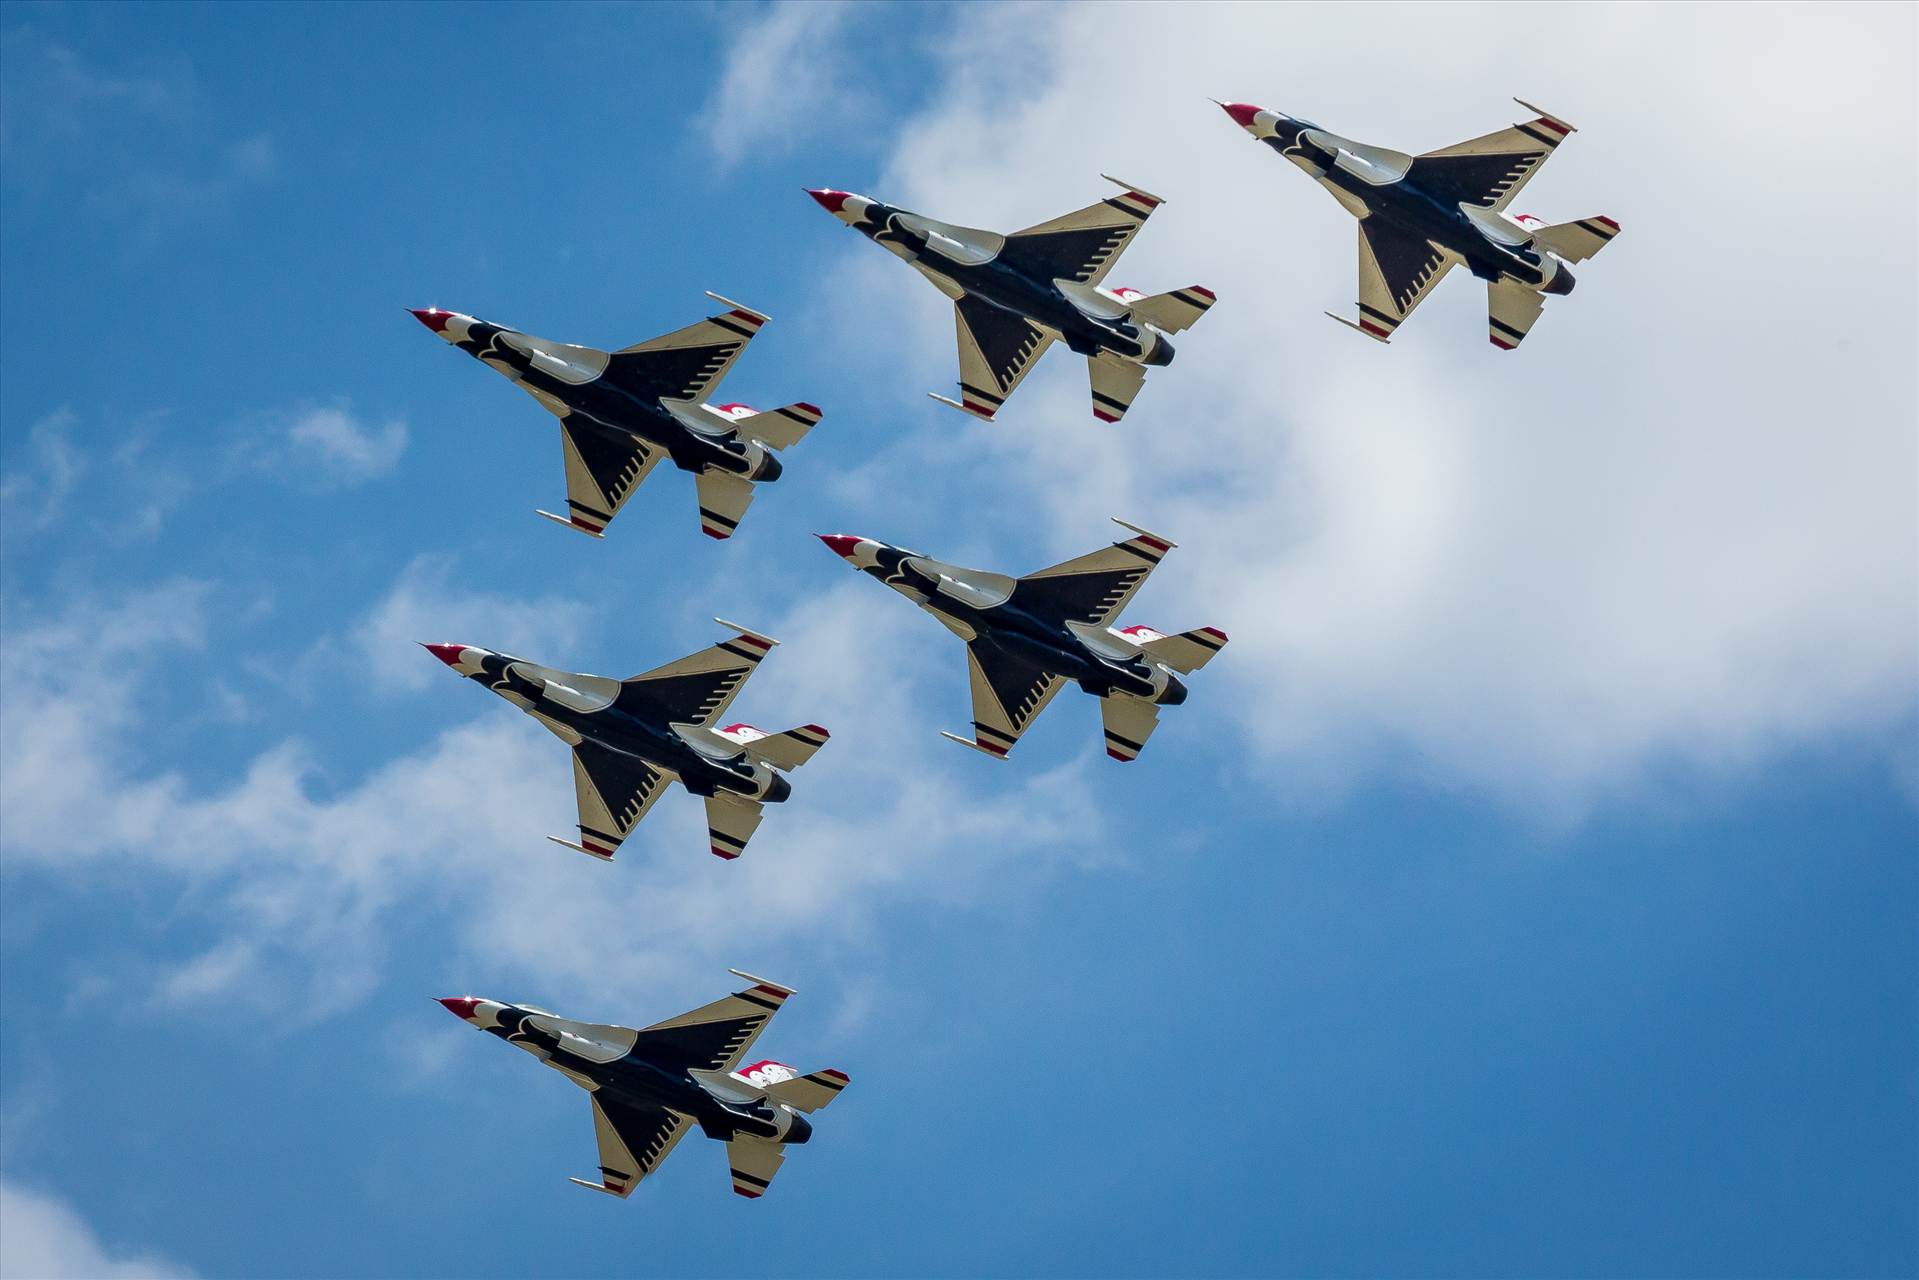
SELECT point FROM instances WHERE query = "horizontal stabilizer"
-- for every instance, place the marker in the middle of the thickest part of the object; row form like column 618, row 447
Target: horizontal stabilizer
column 809, row 1092
column 724, row 498
column 754, row 1162
column 730, row 823
column 1576, row 241
column 780, row 428
column 1129, row 722
column 1175, row 311
column 1115, row 383
column 787, row 750
column 1187, row 651
column 1511, row 310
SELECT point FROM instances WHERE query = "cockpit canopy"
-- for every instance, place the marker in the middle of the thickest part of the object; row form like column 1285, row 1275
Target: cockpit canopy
column 974, row 587
column 568, row 363
column 569, row 689
column 1377, row 165
column 596, row 1042
column 967, row 245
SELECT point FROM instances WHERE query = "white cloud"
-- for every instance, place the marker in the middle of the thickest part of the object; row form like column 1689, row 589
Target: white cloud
column 32, row 497
column 42, row 1238
column 784, row 77
column 1676, row 528
column 423, row 608
column 342, row 448
column 145, row 152
column 304, row 885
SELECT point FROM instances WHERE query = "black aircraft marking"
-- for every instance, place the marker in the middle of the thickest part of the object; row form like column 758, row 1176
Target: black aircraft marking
column 673, row 373
column 1005, row 341
column 1405, row 264
column 1075, row 254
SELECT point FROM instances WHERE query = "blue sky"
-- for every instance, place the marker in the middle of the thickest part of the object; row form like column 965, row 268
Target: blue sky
column 1529, row 889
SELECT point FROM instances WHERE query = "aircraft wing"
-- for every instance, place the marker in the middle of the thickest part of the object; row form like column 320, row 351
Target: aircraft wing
column 754, row 1162
column 687, row 363
column 634, row 1141
column 601, row 474
column 1008, row 695
column 996, row 351
column 1510, row 312
column 1490, row 170
column 698, row 688
column 1396, row 272
column 1092, row 589
column 714, row 1037
column 614, row 793
column 1082, row 245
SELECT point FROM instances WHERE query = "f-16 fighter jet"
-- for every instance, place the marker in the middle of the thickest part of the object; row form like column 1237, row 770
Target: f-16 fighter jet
column 1026, row 637
column 1420, row 216
column 652, row 1085
column 622, row 411
column 1016, row 294
column 632, row 737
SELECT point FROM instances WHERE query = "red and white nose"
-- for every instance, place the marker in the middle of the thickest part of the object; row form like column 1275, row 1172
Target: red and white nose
column 844, row 205
column 856, row 551
column 1257, row 121
column 472, row 1009
column 450, row 325
column 463, row 658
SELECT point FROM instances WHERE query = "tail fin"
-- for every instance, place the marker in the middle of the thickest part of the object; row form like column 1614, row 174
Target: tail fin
column 787, row 750
column 1187, row 651
column 1172, row 312
column 1576, row 241
column 809, row 1092
column 779, row 428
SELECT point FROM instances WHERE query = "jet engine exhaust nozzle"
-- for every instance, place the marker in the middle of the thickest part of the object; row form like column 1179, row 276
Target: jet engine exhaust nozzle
column 1174, row 693
column 798, row 1131
column 777, row 790
column 1561, row 284
column 1161, row 355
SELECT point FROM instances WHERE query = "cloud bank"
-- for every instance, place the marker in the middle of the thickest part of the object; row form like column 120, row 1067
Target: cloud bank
column 1672, row 536
column 42, row 1238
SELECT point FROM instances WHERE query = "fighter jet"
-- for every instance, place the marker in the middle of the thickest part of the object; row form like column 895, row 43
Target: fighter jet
column 622, row 411
column 652, row 1085
column 632, row 737
column 1420, row 216
column 1016, row 294
column 1026, row 637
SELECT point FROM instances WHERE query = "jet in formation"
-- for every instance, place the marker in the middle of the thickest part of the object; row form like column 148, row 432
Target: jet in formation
column 1026, row 637
column 632, row 737
column 622, row 411
column 1016, row 294
column 649, row 1086
column 1420, row 216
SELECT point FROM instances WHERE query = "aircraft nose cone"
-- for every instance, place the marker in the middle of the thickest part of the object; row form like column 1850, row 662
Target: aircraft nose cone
column 830, row 200
column 1241, row 112
column 432, row 317
column 460, row 1007
column 447, row 653
column 841, row 544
